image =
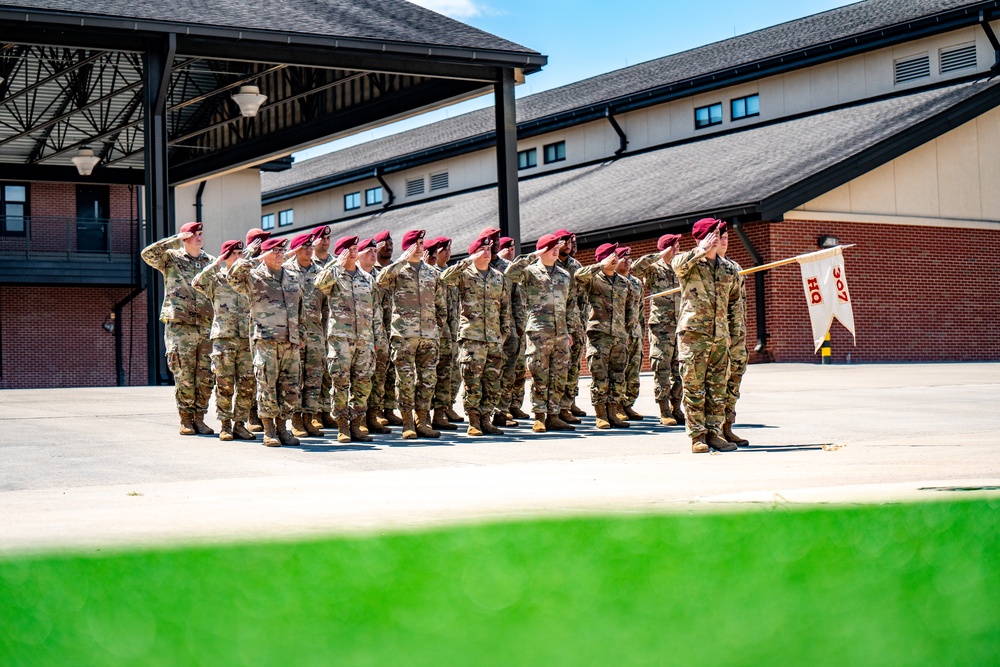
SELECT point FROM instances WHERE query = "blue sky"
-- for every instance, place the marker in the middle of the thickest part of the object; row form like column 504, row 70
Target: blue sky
column 583, row 38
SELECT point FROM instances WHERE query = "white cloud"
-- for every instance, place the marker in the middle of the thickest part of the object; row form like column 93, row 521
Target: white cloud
column 453, row 8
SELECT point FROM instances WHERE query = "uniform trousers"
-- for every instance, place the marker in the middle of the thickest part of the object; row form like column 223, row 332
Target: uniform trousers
column 548, row 362
column 443, row 396
column 232, row 364
column 312, row 368
column 632, row 368
column 351, row 364
column 481, row 371
column 704, row 363
column 415, row 360
column 276, row 368
column 666, row 368
column 738, row 358
column 189, row 358
column 572, row 386
column 607, row 357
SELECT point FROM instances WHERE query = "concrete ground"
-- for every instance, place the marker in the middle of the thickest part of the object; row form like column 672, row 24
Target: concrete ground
column 100, row 468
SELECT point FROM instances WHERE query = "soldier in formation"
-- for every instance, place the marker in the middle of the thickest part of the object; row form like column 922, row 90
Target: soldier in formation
column 738, row 355
column 437, row 253
column 518, row 311
column 635, row 311
column 384, row 383
column 571, row 412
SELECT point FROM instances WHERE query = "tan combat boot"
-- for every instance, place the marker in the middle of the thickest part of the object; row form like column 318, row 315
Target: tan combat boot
column 489, row 427
column 715, row 441
column 453, row 416
column 727, row 433
column 240, row 432
column 343, row 429
column 226, row 432
column 254, row 424
column 391, row 417
column 698, row 445
column 359, row 432
column 616, row 415
column 517, row 413
column 310, row 421
column 298, row 428
column 200, row 426
column 567, row 416
column 677, row 413
column 327, row 420
column 577, row 410
column 316, row 419
column 666, row 419
column 632, row 414
column 409, row 428
column 270, row 433
column 424, row 428
column 539, row 425
column 555, row 423
column 601, row 409
column 441, row 421
column 500, row 419
column 475, row 428
column 187, row 424
column 286, row 438
column 375, row 425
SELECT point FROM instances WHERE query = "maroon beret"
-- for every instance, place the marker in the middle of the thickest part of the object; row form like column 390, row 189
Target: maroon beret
column 667, row 240
column 706, row 226
column 506, row 242
column 343, row 243
column 382, row 237
column 477, row 244
column 547, row 242
column 301, row 240
column 257, row 233
column 411, row 237
column 434, row 244
column 605, row 250
column 191, row 227
column 489, row 232
column 323, row 231
column 230, row 246
column 364, row 244
column 271, row 244
column 623, row 251
column 562, row 234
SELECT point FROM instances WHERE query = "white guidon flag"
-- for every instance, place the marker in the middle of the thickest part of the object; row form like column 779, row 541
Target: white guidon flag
column 825, row 284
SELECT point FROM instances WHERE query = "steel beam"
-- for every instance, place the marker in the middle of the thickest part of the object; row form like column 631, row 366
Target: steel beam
column 506, row 130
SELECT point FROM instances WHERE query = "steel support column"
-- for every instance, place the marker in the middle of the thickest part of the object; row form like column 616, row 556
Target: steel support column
column 506, row 124
column 157, row 60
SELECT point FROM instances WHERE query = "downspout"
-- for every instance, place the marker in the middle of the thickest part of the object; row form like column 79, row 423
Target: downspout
column 385, row 186
column 622, row 139
column 137, row 289
column 990, row 35
column 759, row 296
column 197, row 201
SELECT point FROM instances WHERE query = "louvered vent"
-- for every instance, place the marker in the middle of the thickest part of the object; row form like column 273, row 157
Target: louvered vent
column 415, row 187
column 913, row 68
column 439, row 181
column 962, row 57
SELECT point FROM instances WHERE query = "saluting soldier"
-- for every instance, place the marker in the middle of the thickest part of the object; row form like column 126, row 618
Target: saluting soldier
column 709, row 293
column 550, row 306
column 448, row 341
column 232, row 362
column 635, row 316
column 384, row 383
column 519, row 315
column 368, row 261
column 322, row 257
column 312, row 352
column 251, row 250
column 484, row 304
column 187, row 318
column 738, row 354
column 275, row 304
column 578, row 326
column 441, row 259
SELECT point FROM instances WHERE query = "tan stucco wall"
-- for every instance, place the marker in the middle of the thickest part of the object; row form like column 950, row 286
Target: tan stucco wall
column 230, row 206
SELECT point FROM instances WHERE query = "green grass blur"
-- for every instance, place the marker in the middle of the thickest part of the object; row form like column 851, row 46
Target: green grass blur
column 889, row 585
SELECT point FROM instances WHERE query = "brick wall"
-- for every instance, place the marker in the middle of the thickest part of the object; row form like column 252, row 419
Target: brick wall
column 53, row 337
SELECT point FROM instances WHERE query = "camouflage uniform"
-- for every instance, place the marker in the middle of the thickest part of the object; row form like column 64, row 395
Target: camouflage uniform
column 511, row 342
column 519, row 313
column 738, row 354
column 419, row 313
column 326, row 395
column 658, row 276
column 312, row 324
column 607, row 332
column 485, row 323
column 447, row 350
column 275, row 305
column 635, row 312
column 232, row 362
column 710, row 290
column 383, row 396
column 187, row 316
column 577, row 328
column 550, row 307
column 355, row 324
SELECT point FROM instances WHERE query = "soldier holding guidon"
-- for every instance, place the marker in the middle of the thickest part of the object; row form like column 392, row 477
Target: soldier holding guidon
column 312, row 353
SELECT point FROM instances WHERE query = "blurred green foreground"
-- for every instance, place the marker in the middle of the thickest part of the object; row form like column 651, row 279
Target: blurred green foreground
column 889, row 585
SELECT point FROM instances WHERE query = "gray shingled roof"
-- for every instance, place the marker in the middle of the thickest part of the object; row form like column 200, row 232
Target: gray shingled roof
column 709, row 175
column 383, row 20
column 787, row 37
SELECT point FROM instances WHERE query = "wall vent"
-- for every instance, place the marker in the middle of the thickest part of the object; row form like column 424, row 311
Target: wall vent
column 962, row 57
column 415, row 187
column 439, row 181
column 913, row 68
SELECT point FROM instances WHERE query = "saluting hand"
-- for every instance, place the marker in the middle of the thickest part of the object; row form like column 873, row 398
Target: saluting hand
column 408, row 253
column 254, row 247
column 184, row 236
column 342, row 257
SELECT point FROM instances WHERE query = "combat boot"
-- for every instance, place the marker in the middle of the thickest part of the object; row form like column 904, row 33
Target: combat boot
column 716, row 442
column 270, row 433
column 409, row 428
column 615, row 415
column 200, row 426
column 475, row 427
column 500, row 419
column 666, row 419
column 577, row 410
column 601, row 409
column 374, row 424
column 343, row 429
column 539, row 425
column 327, row 420
column 453, row 416
column 567, row 416
column 391, row 418
column 313, row 424
column 441, row 422
column 490, row 427
column 424, row 428
column 226, row 432
column 187, row 423
column 298, row 428
column 254, row 424
column 241, row 433
column 698, row 445
column 677, row 413
column 727, row 433
column 555, row 423
column 632, row 414
column 517, row 413
column 286, row 438
column 358, row 430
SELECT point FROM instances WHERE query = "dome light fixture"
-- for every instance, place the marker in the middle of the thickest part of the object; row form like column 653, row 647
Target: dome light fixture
column 85, row 161
column 249, row 100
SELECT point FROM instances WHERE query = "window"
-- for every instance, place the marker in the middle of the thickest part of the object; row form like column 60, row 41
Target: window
column 527, row 159
column 14, row 207
column 415, row 187
column 912, row 68
column 439, row 181
column 285, row 218
column 373, row 196
column 960, row 57
column 745, row 107
column 708, row 116
column 555, row 152
column 267, row 221
column 352, row 201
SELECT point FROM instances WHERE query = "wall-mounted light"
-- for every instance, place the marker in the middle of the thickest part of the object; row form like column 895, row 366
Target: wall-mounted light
column 828, row 242
column 249, row 100
column 109, row 323
column 85, row 161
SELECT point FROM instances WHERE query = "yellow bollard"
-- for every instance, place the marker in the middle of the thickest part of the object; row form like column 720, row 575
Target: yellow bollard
column 825, row 350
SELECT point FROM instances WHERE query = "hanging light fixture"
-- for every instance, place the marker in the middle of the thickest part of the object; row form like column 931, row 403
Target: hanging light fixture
column 85, row 161
column 249, row 100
